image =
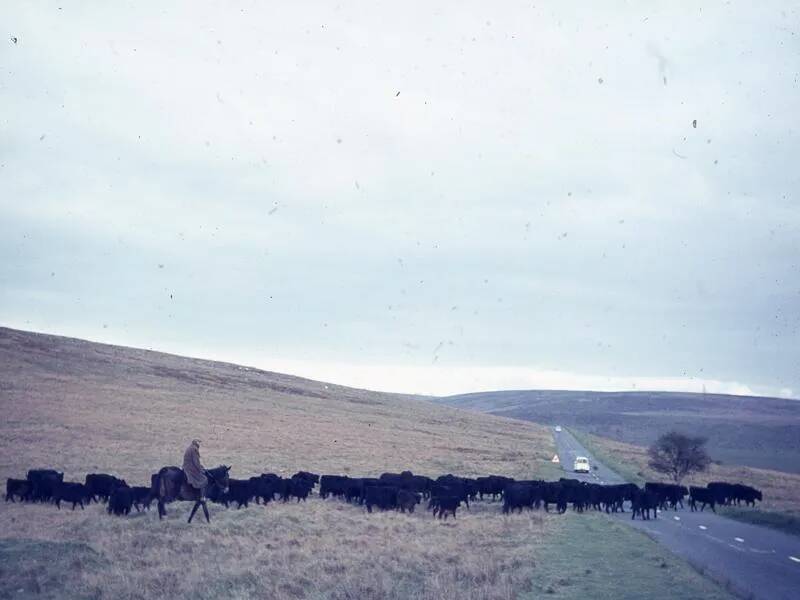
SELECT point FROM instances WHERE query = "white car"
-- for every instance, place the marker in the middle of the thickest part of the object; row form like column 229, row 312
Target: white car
column 581, row 465
column 558, row 428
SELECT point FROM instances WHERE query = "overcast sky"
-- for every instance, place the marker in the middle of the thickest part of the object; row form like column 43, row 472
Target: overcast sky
column 432, row 197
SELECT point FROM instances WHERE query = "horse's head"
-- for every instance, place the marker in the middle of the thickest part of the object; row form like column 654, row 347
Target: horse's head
column 218, row 478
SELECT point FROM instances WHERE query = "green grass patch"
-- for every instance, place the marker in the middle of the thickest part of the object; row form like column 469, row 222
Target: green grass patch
column 46, row 570
column 786, row 522
column 626, row 471
column 593, row 556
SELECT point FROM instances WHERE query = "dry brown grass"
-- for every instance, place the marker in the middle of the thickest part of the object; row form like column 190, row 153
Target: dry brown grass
column 81, row 408
column 781, row 490
column 320, row 549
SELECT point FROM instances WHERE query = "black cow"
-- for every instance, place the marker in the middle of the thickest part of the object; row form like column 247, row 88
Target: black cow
column 421, row 485
column 354, row 488
column 702, row 496
column 450, row 485
column 296, row 488
column 398, row 480
column 493, row 485
column 311, row 478
column 74, row 492
column 554, row 492
column 120, row 501
column 332, row 485
column 613, row 497
column 44, row 483
column 519, row 495
column 264, row 487
column 444, row 505
column 408, row 500
column 241, row 491
column 668, row 494
column 101, row 485
column 748, row 494
column 20, row 488
column 595, row 491
column 723, row 492
column 642, row 503
column 734, row 493
column 471, row 487
column 267, row 486
column 141, row 497
column 382, row 496
column 575, row 492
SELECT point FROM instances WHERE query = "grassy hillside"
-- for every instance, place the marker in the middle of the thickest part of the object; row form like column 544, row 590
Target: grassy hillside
column 78, row 406
column 781, row 505
column 753, row 431
column 82, row 407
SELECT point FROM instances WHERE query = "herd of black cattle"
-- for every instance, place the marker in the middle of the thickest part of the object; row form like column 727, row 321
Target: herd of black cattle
column 393, row 491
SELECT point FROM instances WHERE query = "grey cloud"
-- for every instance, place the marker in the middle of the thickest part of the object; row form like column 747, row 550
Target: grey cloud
column 503, row 179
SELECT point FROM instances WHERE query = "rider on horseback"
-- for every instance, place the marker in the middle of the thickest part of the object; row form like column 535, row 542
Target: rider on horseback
column 194, row 469
column 193, row 483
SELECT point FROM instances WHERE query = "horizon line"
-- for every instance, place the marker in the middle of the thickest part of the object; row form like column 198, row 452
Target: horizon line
column 368, row 377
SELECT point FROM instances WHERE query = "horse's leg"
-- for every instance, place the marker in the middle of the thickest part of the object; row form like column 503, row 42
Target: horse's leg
column 194, row 510
column 205, row 510
column 161, row 510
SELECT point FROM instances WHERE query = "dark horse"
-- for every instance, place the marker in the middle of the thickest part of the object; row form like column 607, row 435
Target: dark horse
column 170, row 484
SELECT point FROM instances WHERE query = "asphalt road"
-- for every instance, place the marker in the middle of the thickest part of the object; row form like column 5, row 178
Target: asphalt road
column 753, row 561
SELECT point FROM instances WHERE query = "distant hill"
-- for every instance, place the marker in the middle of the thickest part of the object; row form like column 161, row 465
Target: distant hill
column 746, row 430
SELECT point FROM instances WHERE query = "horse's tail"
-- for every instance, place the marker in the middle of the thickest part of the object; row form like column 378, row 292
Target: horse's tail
column 159, row 486
column 164, row 486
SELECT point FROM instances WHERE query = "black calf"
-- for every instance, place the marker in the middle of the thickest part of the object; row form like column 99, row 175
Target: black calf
column 20, row 488
column 141, row 497
column 702, row 496
column 643, row 503
column 71, row 492
column 120, row 501
column 100, row 485
column 444, row 505
column 407, row 500
column 240, row 491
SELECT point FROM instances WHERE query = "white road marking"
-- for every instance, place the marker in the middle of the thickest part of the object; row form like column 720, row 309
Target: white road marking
column 795, row 559
column 703, row 527
column 740, row 540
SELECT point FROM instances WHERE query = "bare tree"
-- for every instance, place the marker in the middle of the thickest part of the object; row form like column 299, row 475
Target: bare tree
column 677, row 455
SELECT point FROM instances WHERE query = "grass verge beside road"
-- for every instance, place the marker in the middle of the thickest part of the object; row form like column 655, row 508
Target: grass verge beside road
column 587, row 552
column 786, row 522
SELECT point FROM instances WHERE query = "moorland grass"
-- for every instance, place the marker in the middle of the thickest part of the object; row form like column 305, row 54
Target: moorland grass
column 316, row 549
column 82, row 407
